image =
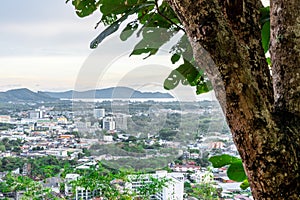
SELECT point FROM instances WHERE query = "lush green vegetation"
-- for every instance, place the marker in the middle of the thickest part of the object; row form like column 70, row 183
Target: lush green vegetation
column 11, row 163
column 32, row 190
column 205, row 191
column 116, row 150
column 111, row 184
column 11, row 145
column 47, row 166
column 146, row 165
column 40, row 167
column 103, row 181
column 6, row 126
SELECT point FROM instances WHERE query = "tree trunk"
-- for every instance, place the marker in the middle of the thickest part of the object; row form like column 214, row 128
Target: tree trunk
column 263, row 114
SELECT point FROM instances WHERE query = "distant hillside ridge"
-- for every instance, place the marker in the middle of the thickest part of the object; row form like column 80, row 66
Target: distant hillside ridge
column 108, row 93
column 24, row 95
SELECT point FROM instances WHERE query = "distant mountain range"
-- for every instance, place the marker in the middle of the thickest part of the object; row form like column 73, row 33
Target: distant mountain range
column 24, row 94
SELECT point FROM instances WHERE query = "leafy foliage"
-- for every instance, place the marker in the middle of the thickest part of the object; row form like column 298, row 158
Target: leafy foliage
column 11, row 163
column 156, row 23
column 265, row 23
column 222, row 160
column 6, row 126
column 12, row 145
column 32, row 190
column 86, row 7
column 111, row 185
column 40, row 168
column 245, row 184
column 151, row 187
column 47, row 166
column 235, row 170
column 205, row 191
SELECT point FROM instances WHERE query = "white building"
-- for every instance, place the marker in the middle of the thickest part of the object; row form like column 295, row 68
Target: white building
column 80, row 193
column 108, row 138
column 57, row 152
column 34, row 114
column 68, row 179
column 203, row 177
column 172, row 191
column 109, row 123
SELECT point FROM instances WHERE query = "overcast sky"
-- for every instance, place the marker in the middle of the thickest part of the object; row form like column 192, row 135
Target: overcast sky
column 45, row 46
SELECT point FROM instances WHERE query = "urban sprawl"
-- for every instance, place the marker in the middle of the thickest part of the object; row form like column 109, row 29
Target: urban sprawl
column 55, row 144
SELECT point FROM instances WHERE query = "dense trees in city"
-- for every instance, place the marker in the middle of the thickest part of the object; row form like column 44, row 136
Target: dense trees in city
column 38, row 168
column 12, row 184
column 6, row 126
column 11, row 163
column 10, row 145
column 228, row 40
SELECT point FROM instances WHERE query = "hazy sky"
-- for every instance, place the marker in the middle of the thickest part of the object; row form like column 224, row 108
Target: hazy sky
column 45, row 46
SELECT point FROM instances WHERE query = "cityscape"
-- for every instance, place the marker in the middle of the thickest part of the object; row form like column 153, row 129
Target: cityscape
column 149, row 100
column 57, row 143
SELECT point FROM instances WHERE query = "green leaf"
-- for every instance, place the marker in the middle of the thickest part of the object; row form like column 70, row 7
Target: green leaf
column 85, row 7
column 118, row 7
column 245, row 184
column 153, row 39
column 186, row 72
column 114, row 26
column 183, row 47
column 222, row 160
column 129, row 30
column 173, row 80
column 264, row 14
column 265, row 32
column 203, row 87
column 265, row 35
column 175, row 58
column 269, row 60
column 236, row 171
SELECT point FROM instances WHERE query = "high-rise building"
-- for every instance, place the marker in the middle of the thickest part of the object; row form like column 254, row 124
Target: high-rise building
column 172, row 191
column 109, row 123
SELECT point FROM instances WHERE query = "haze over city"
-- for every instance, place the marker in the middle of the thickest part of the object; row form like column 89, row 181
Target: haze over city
column 45, row 47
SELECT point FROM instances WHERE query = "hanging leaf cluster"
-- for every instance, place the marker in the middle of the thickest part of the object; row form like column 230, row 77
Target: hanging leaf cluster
column 235, row 170
column 155, row 23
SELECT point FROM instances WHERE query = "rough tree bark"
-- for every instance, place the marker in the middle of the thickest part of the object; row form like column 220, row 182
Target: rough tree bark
column 263, row 114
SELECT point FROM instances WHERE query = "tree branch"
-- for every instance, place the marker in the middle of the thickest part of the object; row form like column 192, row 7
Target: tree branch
column 285, row 55
column 166, row 18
